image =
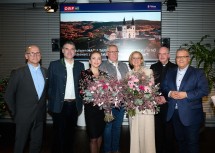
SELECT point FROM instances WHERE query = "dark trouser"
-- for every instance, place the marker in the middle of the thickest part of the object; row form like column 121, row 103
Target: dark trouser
column 25, row 129
column 64, row 124
column 187, row 136
column 113, row 130
column 164, row 133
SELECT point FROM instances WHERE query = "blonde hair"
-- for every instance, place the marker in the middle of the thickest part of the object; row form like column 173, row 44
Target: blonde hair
column 131, row 55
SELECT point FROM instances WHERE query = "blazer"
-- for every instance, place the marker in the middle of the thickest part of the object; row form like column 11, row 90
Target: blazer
column 110, row 69
column 195, row 84
column 57, row 84
column 21, row 96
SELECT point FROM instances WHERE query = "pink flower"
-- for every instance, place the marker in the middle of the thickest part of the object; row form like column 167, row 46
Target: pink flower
column 147, row 89
column 141, row 87
column 105, row 86
column 93, row 88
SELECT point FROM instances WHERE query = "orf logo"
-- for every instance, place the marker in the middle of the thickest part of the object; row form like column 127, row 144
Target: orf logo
column 69, row 8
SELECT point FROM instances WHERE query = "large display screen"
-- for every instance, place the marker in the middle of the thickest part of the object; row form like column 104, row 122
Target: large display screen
column 130, row 26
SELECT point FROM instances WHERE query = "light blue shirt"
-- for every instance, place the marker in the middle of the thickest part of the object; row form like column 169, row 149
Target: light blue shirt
column 180, row 75
column 38, row 79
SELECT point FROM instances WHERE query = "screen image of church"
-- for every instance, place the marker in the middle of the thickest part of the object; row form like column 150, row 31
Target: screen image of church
column 125, row 31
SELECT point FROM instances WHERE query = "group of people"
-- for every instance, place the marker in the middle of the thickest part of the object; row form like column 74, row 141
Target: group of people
column 180, row 116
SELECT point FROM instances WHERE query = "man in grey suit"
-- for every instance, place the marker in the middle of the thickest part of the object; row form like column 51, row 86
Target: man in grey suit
column 26, row 98
column 113, row 129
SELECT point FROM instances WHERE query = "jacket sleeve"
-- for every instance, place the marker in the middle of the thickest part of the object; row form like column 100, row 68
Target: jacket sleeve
column 10, row 94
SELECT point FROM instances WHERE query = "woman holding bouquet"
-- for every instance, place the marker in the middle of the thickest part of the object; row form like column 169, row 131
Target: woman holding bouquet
column 94, row 116
column 141, row 121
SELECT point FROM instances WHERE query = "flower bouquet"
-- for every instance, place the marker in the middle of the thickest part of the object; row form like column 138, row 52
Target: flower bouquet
column 140, row 93
column 105, row 92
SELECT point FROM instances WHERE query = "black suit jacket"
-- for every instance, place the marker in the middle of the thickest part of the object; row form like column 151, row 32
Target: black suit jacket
column 21, row 96
column 57, row 85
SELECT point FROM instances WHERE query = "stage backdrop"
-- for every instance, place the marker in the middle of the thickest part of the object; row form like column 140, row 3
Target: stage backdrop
column 131, row 26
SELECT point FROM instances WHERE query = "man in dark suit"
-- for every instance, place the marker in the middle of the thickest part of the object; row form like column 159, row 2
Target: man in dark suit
column 64, row 103
column 26, row 98
column 164, row 136
column 185, row 86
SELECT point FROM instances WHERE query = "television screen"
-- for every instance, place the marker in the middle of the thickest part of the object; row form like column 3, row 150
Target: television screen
column 130, row 26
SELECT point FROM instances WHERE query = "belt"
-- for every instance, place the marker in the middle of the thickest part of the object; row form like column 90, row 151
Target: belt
column 69, row 100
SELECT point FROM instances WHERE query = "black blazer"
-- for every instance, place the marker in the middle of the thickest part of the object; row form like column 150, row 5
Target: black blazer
column 57, row 84
column 21, row 96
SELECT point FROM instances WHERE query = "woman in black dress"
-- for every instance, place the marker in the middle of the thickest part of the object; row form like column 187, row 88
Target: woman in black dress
column 94, row 116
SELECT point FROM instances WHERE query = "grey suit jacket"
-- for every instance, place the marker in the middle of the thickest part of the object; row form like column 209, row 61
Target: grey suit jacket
column 21, row 96
column 110, row 69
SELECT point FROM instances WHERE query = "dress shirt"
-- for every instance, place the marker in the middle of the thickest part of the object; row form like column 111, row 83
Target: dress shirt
column 119, row 76
column 179, row 77
column 70, row 89
column 38, row 79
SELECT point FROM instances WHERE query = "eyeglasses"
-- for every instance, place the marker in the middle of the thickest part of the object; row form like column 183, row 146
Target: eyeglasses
column 181, row 57
column 113, row 52
column 34, row 54
column 136, row 58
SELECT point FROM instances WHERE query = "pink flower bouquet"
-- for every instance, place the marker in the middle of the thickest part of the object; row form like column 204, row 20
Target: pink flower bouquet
column 104, row 92
column 141, row 93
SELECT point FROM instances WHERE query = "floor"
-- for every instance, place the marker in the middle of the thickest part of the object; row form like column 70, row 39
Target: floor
column 7, row 132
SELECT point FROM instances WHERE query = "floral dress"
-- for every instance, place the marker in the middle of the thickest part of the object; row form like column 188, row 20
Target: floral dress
column 94, row 116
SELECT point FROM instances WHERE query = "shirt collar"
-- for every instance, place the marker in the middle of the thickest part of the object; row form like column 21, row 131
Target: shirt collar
column 69, row 64
column 114, row 63
column 33, row 67
column 184, row 69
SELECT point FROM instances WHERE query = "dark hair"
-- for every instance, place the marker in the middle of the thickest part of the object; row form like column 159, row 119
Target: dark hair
column 69, row 42
column 94, row 52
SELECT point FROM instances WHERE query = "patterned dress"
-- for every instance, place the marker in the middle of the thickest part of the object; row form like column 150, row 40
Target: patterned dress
column 94, row 116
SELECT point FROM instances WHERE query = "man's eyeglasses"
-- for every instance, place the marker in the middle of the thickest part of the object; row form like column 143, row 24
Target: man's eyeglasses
column 181, row 57
column 113, row 52
column 34, row 54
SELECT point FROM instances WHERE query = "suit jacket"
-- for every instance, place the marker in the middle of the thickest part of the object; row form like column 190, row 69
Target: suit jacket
column 110, row 69
column 57, row 84
column 160, row 71
column 21, row 96
column 195, row 84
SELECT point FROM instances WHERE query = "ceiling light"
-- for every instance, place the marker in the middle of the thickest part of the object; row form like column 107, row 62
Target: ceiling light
column 51, row 6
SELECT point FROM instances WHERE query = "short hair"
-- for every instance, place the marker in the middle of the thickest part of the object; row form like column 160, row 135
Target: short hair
column 130, row 58
column 69, row 42
column 94, row 52
column 165, row 48
column 29, row 46
column 182, row 49
column 111, row 45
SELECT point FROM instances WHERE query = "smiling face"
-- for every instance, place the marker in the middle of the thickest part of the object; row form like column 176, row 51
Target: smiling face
column 33, row 55
column 95, row 60
column 182, row 58
column 68, row 51
column 136, row 60
column 163, row 55
column 112, row 53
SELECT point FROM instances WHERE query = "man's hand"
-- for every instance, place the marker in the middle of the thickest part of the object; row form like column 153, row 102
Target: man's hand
column 178, row 94
column 160, row 100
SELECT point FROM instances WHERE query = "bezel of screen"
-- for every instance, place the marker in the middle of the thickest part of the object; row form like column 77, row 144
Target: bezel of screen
column 130, row 26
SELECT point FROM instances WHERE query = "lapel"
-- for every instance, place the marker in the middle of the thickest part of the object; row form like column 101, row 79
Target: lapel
column 45, row 80
column 174, row 76
column 185, row 78
column 31, row 82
